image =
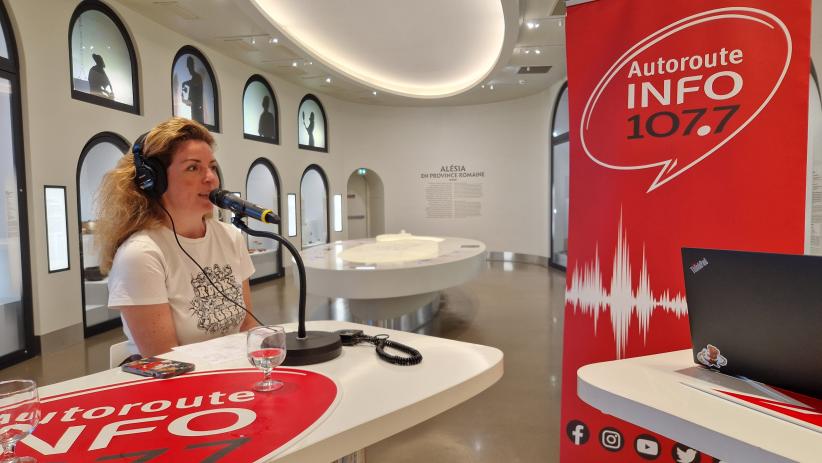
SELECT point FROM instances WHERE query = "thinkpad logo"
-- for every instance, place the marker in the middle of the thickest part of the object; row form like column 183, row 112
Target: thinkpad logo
column 699, row 265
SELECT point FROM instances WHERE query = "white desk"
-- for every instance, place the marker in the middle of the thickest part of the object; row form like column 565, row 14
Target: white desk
column 661, row 393
column 377, row 399
column 388, row 293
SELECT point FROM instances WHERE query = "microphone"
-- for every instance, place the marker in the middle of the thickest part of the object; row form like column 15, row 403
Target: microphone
column 225, row 200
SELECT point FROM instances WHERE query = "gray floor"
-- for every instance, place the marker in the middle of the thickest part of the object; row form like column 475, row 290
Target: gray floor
column 515, row 307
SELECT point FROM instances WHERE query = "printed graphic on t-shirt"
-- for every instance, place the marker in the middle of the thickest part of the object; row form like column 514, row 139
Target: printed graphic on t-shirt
column 214, row 313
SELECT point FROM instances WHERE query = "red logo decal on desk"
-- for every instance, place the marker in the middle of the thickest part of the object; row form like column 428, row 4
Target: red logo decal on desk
column 804, row 411
column 209, row 416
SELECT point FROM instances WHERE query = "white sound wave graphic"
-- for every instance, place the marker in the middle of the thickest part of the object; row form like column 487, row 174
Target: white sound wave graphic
column 588, row 293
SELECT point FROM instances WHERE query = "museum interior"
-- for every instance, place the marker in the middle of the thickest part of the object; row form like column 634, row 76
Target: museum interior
column 417, row 155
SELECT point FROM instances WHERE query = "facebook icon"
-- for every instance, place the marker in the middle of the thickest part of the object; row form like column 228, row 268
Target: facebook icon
column 577, row 432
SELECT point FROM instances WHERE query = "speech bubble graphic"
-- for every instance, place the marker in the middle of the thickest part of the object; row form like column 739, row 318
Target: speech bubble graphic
column 210, row 416
column 685, row 91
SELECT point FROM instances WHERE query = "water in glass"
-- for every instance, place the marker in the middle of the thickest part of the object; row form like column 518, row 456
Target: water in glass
column 266, row 351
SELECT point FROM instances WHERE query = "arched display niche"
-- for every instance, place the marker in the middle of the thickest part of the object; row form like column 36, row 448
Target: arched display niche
column 194, row 91
column 262, row 186
column 261, row 114
column 365, row 204
column 314, row 207
column 100, row 154
column 560, row 181
column 17, row 340
column 312, row 125
column 102, row 58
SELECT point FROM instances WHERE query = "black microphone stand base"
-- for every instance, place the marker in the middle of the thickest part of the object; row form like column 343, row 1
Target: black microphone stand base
column 315, row 347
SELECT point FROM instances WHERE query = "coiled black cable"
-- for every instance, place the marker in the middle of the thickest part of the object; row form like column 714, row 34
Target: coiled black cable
column 381, row 341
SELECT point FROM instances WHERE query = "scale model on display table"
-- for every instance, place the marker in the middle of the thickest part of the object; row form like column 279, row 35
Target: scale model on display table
column 394, row 280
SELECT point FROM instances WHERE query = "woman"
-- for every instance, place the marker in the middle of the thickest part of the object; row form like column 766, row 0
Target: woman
column 164, row 298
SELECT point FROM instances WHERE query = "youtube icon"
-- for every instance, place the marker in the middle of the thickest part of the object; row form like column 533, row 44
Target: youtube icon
column 647, row 446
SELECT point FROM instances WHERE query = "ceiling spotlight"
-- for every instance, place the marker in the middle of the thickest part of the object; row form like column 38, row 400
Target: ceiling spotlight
column 253, row 41
column 527, row 51
column 293, row 64
column 374, row 93
column 530, row 25
column 537, row 51
column 273, row 40
column 491, row 87
column 523, row 81
column 560, row 23
column 327, row 80
column 310, row 63
column 482, row 86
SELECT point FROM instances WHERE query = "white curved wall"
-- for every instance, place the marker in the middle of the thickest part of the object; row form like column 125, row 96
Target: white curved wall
column 507, row 141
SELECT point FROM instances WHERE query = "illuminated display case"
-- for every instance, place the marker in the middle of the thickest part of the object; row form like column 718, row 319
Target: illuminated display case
column 103, row 61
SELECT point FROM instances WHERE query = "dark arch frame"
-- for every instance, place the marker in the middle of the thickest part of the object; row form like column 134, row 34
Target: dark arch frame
column 320, row 171
column 555, row 140
column 276, row 176
column 276, row 110
column 9, row 71
column 97, row 5
column 124, row 146
column 190, row 50
column 325, row 121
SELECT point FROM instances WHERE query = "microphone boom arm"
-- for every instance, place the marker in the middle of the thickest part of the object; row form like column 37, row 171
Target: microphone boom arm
column 237, row 220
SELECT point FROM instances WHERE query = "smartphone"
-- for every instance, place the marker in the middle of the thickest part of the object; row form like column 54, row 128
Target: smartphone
column 158, row 367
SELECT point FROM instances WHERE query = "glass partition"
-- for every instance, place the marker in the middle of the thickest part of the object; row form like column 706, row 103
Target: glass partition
column 263, row 188
column 4, row 49
column 314, row 207
column 100, row 155
column 11, row 268
column 17, row 341
column 560, row 171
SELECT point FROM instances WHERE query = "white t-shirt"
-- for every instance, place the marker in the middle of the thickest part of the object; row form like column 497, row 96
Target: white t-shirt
column 149, row 268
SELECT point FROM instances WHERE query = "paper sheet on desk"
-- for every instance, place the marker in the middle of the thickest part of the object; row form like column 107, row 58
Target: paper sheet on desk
column 218, row 350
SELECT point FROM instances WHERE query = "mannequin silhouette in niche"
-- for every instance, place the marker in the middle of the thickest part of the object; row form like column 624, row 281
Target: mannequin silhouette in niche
column 309, row 127
column 98, row 79
column 192, row 92
column 266, row 126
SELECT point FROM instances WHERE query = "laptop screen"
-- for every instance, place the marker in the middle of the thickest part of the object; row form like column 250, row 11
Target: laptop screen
column 757, row 315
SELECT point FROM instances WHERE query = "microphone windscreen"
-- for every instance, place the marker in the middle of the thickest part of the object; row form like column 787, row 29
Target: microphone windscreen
column 215, row 196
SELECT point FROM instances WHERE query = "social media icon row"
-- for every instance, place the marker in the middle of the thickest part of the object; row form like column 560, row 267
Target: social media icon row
column 645, row 445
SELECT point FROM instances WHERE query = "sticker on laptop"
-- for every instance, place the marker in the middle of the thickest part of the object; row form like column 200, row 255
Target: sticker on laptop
column 711, row 357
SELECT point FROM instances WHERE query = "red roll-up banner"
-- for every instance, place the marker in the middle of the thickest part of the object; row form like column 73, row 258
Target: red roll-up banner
column 688, row 128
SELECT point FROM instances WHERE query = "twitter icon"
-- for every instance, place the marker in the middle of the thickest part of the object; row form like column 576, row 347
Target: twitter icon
column 684, row 454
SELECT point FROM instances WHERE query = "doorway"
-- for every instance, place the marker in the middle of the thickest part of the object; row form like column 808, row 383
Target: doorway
column 366, row 205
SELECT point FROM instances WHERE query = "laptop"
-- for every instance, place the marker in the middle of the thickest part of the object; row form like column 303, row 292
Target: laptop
column 757, row 315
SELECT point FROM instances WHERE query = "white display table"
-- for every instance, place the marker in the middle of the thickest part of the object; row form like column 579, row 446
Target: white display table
column 403, row 293
column 667, row 393
column 376, row 399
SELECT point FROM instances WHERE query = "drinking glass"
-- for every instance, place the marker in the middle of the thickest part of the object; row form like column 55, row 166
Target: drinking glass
column 266, row 350
column 20, row 402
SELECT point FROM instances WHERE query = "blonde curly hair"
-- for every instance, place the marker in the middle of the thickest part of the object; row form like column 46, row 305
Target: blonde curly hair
column 122, row 208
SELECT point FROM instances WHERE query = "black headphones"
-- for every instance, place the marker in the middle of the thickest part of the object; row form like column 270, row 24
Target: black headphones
column 149, row 173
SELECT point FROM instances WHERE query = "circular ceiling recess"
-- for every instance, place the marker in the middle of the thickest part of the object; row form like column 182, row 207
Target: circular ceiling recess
column 419, row 48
